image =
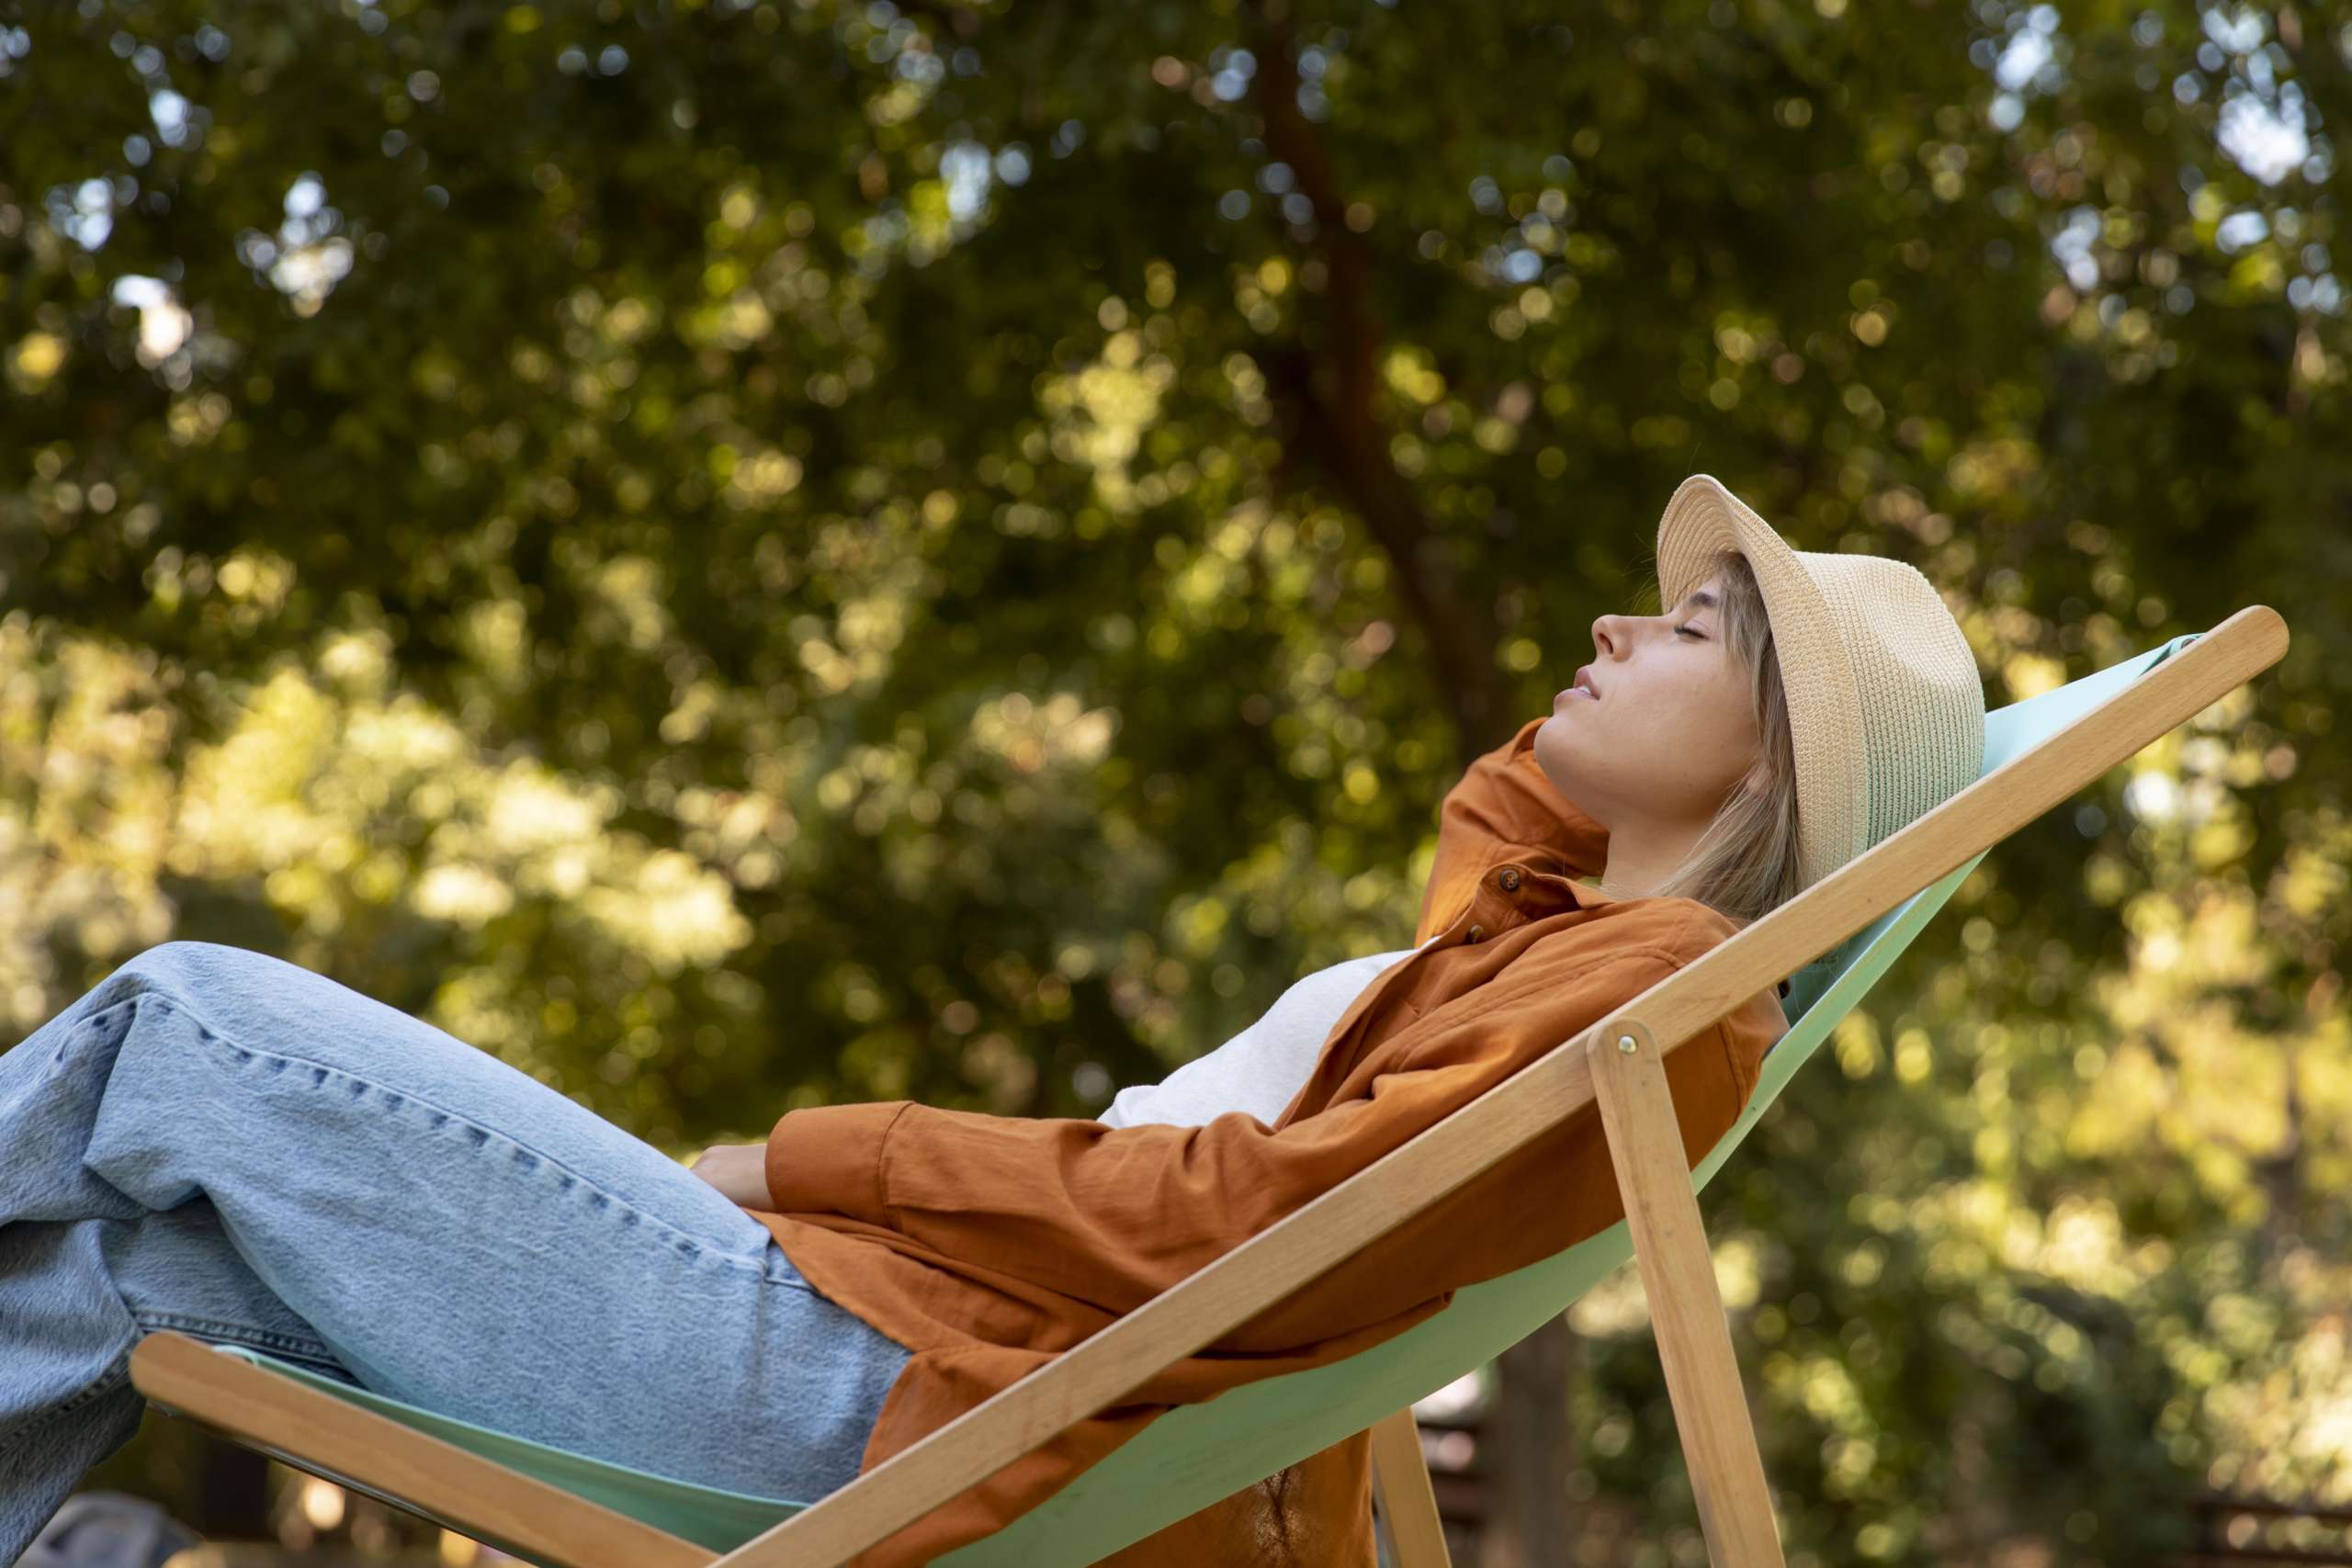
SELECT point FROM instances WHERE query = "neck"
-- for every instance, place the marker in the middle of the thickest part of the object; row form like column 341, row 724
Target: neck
column 1641, row 857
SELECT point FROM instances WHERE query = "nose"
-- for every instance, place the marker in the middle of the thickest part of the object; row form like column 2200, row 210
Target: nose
column 1609, row 634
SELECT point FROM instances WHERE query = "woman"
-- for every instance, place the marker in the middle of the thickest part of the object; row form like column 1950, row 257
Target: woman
column 219, row 1142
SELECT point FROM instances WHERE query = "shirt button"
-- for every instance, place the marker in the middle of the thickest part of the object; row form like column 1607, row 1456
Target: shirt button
column 1510, row 879
column 1476, row 934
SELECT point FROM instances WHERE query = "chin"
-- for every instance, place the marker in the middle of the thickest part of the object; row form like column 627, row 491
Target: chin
column 1561, row 722
column 1550, row 735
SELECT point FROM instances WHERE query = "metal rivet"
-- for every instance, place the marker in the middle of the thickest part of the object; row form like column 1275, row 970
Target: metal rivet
column 1626, row 1043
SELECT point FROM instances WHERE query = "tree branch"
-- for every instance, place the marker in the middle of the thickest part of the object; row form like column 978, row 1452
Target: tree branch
column 1330, row 401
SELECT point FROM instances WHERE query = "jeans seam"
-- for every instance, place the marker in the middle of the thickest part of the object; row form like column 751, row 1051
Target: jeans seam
column 206, row 1030
column 91, row 1020
column 291, row 1346
column 115, row 1377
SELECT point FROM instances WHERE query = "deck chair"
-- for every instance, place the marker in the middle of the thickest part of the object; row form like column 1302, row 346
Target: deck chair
column 1832, row 942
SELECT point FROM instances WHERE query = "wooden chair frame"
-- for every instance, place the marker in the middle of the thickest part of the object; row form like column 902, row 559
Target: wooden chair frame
column 1619, row 1062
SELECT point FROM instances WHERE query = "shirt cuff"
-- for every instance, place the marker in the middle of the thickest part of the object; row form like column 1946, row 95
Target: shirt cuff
column 827, row 1159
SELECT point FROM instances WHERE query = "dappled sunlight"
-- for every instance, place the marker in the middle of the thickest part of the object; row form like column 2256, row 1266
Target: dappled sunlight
column 1102, row 412
column 779, row 555
column 85, row 822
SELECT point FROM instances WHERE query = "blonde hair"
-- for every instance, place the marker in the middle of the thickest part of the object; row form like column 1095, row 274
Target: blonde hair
column 1746, row 864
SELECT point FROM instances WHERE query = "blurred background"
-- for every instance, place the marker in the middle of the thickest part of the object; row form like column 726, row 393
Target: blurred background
column 745, row 555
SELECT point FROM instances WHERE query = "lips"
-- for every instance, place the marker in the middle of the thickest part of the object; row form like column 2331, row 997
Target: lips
column 1584, row 679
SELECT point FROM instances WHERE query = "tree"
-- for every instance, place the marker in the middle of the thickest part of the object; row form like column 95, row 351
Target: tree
column 738, row 556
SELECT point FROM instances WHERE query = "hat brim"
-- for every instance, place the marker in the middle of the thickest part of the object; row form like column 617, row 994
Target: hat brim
column 1817, row 670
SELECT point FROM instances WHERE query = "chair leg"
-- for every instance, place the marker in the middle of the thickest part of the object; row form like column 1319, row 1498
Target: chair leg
column 1711, row 1412
column 1400, row 1479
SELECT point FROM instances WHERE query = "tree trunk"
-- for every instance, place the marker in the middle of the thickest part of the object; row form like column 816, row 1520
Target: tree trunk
column 230, row 1496
column 1327, row 384
column 1526, row 1453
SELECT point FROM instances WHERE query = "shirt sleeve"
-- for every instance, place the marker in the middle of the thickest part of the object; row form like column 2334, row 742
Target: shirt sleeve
column 1506, row 807
column 1114, row 1217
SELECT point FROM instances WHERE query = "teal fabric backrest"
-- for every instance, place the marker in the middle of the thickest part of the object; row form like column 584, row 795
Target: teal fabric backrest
column 1195, row 1454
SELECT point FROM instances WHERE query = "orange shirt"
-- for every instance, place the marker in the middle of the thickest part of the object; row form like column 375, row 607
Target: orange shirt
column 987, row 1245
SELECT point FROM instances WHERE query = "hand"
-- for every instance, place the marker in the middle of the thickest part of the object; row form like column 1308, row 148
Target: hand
column 738, row 1171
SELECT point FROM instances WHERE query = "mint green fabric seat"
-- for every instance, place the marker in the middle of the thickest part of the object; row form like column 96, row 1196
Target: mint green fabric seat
column 1195, row 1454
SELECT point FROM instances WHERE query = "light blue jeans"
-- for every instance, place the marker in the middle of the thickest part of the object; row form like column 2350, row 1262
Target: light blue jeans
column 226, row 1144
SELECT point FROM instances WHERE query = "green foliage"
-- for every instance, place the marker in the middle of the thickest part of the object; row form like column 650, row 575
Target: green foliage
column 599, row 527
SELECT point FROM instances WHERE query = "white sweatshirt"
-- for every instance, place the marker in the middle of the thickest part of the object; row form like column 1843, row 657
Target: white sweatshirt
column 1261, row 1069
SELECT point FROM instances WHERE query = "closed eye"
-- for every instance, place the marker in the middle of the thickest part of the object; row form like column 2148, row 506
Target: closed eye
column 1686, row 631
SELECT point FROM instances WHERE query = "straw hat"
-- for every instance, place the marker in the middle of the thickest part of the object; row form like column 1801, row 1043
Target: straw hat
column 1884, row 703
